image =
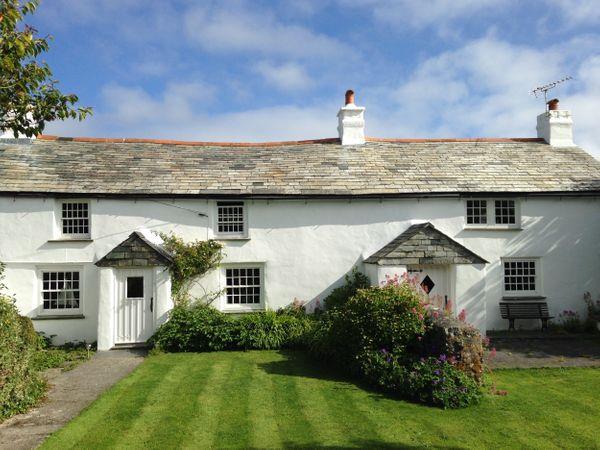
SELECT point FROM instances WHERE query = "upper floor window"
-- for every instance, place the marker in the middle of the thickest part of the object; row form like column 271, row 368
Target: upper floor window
column 492, row 213
column 521, row 276
column 476, row 212
column 505, row 212
column 75, row 219
column 61, row 291
column 231, row 218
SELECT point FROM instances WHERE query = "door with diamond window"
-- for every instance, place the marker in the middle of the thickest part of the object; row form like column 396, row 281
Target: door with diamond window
column 435, row 282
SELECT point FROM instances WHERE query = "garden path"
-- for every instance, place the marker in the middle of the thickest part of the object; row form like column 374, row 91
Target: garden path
column 70, row 392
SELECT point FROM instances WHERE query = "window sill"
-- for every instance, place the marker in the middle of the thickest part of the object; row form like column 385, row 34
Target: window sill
column 492, row 228
column 59, row 317
column 242, row 310
column 71, row 240
column 523, row 298
column 232, row 238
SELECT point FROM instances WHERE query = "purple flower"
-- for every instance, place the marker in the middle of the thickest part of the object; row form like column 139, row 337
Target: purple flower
column 436, row 371
column 443, row 357
column 384, row 351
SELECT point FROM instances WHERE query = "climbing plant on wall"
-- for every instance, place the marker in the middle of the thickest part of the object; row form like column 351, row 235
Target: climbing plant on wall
column 191, row 260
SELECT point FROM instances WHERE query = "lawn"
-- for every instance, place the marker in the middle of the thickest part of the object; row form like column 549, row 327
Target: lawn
column 270, row 399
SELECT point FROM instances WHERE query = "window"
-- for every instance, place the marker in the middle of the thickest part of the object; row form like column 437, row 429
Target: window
column 61, row 290
column 521, row 276
column 476, row 212
column 492, row 213
column 505, row 212
column 135, row 287
column 75, row 219
column 230, row 218
column 243, row 286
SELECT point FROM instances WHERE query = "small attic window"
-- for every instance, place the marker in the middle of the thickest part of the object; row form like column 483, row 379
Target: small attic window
column 231, row 219
column 492, row 213
column 75, row 219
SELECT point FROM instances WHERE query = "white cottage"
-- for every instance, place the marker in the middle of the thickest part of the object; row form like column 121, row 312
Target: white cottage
column 478, row 221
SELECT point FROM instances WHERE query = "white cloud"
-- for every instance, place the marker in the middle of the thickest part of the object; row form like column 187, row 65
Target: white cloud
column 239, row 30
column 577, row 12
column 418, row 14
column 287, row 76
column 179, row 114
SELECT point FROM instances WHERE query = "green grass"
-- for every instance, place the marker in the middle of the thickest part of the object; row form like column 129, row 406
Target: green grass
column 270, row 399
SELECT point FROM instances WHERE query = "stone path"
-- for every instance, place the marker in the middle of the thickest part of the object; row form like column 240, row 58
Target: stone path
column 70, row 393
column 529, row 351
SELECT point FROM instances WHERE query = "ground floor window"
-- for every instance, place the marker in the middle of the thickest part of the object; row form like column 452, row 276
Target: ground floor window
column 61, row 290
column 243, row 285
column 521, row 276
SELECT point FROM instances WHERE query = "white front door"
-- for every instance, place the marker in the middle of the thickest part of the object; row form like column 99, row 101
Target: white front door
column 435, row 282
column 134, row 306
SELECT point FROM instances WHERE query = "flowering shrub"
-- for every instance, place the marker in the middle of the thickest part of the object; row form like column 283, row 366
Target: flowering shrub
column 570, row 321
column 391, row 316
column 437, row 381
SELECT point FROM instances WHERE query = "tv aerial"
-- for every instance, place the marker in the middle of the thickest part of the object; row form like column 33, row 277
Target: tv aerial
column 547, row 87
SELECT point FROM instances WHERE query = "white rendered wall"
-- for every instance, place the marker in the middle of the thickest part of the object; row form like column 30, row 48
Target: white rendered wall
column 306, row 247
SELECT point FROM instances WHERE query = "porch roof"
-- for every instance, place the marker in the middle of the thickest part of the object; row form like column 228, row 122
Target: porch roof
column 423, row 244
column 136, row 251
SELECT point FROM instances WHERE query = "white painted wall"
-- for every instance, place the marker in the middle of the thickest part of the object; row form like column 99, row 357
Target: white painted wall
column 306, row 247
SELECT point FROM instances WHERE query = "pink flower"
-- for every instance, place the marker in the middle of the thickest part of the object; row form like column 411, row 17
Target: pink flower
column 462, row 316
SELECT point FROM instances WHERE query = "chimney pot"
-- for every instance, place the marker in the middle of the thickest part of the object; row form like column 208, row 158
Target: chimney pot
column 349, row 97
column 553, row 104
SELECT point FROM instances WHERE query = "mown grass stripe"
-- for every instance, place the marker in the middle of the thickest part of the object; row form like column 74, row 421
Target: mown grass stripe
column 115, row 410
column 233, row 424
column 263, row 416
column 163, row 419
column 205, row 412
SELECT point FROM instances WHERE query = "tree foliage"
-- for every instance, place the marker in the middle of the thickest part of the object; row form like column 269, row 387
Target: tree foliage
column 29, row 96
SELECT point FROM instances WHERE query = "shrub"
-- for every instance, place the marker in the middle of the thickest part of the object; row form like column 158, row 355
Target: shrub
column 195, row 328
column 388, row 317
column 340, row 295
column 200, row 327
column 20, row 385
column 570, row 321
column 436, row 381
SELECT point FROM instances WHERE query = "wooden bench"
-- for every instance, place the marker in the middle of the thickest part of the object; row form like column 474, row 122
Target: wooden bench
column 521, row 309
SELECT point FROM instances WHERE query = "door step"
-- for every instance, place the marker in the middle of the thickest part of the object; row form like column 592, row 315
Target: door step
column 131, row 345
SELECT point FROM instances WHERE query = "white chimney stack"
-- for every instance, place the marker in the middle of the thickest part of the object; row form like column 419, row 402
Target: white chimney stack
column 555, row 126
column 351, row 119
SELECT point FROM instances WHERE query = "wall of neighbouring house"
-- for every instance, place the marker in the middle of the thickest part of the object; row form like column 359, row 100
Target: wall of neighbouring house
column 306, row 247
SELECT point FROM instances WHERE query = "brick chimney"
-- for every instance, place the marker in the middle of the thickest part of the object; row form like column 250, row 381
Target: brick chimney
column 555, row 126
column 351, row 122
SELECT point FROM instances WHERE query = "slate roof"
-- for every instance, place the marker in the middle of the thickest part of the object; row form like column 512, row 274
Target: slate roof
column 424, row 244
column 311, row 168
column 136, row 251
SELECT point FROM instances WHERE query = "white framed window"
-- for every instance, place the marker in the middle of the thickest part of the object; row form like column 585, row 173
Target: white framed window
column 505, row 212
column 60, row 290
column 231, row 219
column 521, row 277
column 495, row 213
column 476, row 212
column 74, row 219
column 244, row 289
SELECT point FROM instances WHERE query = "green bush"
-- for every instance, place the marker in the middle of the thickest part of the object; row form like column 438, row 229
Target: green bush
column 436, row 381
column 340, row 295
column 389, row 317
column 200, row 328
column 20, row 385
column 195, row 328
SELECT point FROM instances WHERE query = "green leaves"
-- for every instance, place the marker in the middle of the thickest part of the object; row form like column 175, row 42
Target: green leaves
column 29, row 96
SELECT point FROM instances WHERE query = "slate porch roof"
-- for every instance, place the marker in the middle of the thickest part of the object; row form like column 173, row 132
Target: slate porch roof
column 136, row 251
column 312, row 168
column 424, row 244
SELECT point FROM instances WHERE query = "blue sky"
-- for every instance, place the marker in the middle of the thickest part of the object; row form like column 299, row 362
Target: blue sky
column 270, row 70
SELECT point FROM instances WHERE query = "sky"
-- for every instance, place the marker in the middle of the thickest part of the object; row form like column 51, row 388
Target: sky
column 260, row 70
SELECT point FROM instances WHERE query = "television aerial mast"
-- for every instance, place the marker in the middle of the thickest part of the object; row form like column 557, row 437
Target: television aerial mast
column 546, row 87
